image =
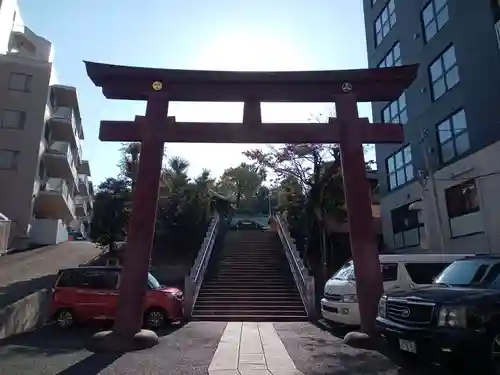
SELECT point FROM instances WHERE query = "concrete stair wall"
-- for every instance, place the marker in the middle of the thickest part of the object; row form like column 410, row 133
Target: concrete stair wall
column 249, row 279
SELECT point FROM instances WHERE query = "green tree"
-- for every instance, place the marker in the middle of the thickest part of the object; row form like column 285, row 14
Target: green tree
column 183, row 211
column 111, row 215
column 314, row 171
column 241, row 182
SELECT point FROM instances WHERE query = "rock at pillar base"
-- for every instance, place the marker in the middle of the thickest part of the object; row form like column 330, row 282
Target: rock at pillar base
column 360, row 340
column 110, row 342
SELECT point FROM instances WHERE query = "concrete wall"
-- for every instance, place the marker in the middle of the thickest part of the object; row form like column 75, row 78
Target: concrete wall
column 17, row 186
column 48, row 232
column 480, row 230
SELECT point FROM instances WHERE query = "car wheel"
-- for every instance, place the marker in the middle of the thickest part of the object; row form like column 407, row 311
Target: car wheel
column 65, row 318
column 494, row 353
column 155, row 318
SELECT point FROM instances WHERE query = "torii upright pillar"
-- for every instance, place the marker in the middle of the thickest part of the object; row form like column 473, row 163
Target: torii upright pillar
column 359, row 210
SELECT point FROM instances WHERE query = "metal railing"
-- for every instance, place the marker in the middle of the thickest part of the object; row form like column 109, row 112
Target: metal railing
column 193, row 281
column 304, row 282
column 5, row 226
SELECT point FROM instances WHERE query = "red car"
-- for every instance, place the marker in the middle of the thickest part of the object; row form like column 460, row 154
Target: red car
column 91, row 293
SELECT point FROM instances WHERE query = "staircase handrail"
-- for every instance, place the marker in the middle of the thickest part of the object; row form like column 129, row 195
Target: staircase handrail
column 286, row 235
column 208, row 246
column 304, row 281
column 193, row 281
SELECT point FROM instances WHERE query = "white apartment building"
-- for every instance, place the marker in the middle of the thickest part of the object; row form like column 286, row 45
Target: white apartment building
column 44, row 180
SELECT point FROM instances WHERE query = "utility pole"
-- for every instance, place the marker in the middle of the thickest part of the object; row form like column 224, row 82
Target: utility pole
column 429, row 169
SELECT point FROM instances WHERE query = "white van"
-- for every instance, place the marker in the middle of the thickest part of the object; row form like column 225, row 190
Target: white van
column 399, row 272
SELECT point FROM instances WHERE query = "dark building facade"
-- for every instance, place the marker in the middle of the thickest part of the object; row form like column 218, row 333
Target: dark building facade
column 439, row 189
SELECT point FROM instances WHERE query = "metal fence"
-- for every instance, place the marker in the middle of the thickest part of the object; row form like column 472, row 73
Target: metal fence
column 5, row 225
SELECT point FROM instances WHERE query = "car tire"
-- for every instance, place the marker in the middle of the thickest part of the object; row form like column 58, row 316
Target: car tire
column 155, row 318
column 65, row 318
column 492, row 361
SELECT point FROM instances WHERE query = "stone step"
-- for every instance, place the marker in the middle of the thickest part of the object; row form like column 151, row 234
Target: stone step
column 250, row 312
column 293, row 309
column 263, row 276
column 250, row 302
column 287, row 292
column 248, row 318
column 228, row 288
column 238, row 297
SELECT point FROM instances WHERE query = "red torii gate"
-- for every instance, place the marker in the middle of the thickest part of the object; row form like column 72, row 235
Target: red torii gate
column 160, row 86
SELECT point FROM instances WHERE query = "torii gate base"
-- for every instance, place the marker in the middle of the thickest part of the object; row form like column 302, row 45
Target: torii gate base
column 345, row 88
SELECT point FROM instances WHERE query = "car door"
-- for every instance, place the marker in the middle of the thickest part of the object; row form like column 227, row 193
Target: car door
column 97, row 294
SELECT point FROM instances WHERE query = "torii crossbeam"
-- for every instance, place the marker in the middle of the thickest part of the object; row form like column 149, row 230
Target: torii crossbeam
column 160, row 86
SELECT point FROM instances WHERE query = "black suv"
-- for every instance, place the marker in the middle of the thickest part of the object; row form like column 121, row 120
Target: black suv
column 458, row 314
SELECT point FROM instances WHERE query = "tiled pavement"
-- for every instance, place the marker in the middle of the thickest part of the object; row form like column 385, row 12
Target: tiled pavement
column 214, row 348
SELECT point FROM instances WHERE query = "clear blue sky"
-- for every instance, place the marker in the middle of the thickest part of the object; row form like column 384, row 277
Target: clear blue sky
column 194, row 34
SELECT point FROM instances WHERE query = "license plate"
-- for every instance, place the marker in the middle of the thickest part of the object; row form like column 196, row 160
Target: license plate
column 408, row 346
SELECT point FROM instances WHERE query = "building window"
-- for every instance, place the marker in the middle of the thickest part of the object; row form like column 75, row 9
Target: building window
column 385, row 22
column 396, row 111
column 12, row 119
column 406, row 227
column 8, row 159
column 393, row 58
column 400, row 168
column 20, row 82
column 453, row 136
column 444, row 73
column 462, row 203
column 434, row 17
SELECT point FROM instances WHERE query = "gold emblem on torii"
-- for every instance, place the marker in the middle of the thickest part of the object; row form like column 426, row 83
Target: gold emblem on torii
column 157, row 85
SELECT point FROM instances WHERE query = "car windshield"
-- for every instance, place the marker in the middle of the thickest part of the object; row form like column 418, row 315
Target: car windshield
column 153, row 283
column 466, row 272
column 345, row 273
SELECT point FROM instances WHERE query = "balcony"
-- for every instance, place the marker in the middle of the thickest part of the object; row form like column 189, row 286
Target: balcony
column 83, row 185
column 66, row 97
column 58, row 159
column 81, row 207
column 63, row 125
column 23, row 36
column 84, row 167
column 25, row 43
column 53, row 200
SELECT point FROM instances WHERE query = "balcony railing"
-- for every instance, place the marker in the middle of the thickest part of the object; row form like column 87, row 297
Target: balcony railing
column 58, row 185
column 55, row 185
column 79, row 201
column 67, row 114
column 61, row 148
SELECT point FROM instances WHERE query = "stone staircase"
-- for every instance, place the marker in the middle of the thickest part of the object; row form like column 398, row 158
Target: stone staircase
column 250, row 280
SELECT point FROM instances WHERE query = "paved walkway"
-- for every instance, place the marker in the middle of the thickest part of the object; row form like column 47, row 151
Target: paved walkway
column 213, row 348
column 251, row 349
column 25, row 273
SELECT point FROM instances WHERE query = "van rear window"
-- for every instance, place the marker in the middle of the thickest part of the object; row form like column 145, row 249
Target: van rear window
column 425, row 273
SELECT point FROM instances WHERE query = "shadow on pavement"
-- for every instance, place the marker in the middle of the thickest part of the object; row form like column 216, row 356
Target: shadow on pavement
column 91, row 365
column 48, row 340
column 18, row 290
column 408, row 364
